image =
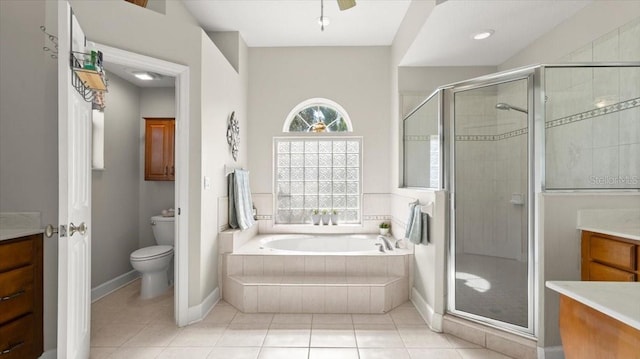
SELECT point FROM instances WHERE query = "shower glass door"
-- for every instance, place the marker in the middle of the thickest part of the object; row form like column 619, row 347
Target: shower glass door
column 490, row 272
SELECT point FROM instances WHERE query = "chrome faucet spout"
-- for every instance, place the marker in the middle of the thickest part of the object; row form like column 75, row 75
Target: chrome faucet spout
column 387, row 243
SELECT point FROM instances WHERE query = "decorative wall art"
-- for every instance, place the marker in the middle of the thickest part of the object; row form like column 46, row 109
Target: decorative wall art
column 233, row 135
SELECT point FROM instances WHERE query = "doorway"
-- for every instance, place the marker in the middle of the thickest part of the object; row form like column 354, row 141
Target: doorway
column 129, row 59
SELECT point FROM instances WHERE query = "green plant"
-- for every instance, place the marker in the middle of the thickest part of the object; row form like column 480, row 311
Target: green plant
column 324, row 211
column 385, row 225
column 315, row 211
column 333, row 211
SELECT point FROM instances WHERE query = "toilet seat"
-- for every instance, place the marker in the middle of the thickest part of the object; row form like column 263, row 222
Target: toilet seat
column 152, row 252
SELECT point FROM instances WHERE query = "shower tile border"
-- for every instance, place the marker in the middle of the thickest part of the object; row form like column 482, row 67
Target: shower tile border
column 616, row 107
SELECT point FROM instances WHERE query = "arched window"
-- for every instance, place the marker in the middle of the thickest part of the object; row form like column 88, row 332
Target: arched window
column 318, row 115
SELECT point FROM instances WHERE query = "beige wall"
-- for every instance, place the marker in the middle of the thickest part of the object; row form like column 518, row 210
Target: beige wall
column 115, row 202
column 29, row 132
column 356, row 78
column 225, row 91
column 154, row 195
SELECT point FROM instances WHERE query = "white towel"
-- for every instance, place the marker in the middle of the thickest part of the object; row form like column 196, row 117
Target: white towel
column 240, row 202
column 416, row 229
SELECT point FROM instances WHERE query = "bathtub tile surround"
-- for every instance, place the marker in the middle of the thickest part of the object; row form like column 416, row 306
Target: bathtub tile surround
column 265, row 280
column 365, row 286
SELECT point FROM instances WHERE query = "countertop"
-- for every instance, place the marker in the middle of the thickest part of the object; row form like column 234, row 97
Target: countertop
column 624, row 222
column 619, row 300
column 6, row 234
column 625, row 231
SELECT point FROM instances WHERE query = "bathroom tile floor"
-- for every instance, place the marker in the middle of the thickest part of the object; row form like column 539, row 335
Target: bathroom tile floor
column 123, row 326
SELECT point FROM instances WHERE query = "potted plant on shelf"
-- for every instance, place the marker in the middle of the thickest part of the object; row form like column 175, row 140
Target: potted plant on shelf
column 315, row 217
column 325, row 217
column 384, row 228
column 334, row 217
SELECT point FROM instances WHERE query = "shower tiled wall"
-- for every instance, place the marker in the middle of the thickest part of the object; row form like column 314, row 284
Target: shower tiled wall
column 491, row 168
column 593, row 116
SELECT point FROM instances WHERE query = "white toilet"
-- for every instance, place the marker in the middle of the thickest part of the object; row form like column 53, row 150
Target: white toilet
column 153, row 262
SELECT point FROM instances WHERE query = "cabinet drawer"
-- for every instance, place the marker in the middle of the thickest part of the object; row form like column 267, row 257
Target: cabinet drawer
column 16, row 337
column 16, row 254
column 599, row 272
column 16, row 293
column 619, row 254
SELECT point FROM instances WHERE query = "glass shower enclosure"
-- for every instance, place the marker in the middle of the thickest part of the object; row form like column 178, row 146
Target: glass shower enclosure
column 514, row 135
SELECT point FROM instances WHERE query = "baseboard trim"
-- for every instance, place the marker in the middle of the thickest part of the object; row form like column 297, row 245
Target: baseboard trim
column 551, row 352
column 200, row 311
column 113, row 285
column 49, row 354
column 434, row 320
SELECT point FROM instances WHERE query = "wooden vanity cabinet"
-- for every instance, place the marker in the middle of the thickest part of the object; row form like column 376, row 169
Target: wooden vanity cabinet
column 159, row 142
column 609, row 258
column 21, row 297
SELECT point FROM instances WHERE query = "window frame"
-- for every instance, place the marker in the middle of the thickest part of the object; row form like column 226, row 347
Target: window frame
column 330, row 136
column 317, row 101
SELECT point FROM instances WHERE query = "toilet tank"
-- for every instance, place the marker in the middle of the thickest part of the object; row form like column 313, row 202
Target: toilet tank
column 163, row 230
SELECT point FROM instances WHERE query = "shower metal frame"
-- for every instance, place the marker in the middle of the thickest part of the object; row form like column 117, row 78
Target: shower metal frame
column 528, row 74
column 536, row 115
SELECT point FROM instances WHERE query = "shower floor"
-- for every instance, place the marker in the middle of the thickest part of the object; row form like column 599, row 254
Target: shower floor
column 492, row 287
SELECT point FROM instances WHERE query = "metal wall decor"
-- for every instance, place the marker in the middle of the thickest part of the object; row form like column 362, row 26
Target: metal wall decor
column 233, row 135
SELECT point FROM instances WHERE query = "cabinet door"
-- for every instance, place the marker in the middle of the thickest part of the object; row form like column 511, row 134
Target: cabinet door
column 159, row 153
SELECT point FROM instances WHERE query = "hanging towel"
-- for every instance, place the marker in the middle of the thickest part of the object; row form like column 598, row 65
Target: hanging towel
column 424, row 238
column 240, row 203
column 414, row 223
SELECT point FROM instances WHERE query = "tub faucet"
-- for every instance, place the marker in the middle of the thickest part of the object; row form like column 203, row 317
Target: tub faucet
column 387, row 243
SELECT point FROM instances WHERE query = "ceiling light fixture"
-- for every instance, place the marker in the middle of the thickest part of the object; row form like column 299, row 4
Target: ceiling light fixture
column 324, row 21
column 483, row 34
column 145, row 76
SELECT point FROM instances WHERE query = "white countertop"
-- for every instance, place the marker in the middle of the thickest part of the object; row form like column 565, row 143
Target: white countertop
column 6, row 234
column 629, row 231
column 619, row 300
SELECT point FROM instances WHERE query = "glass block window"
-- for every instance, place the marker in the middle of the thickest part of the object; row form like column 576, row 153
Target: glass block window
column 318, row 115
column 317, row 173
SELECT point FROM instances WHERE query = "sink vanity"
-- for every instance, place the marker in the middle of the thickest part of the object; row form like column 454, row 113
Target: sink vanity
column 610, row 245
column 20, row 287
column 600, row 315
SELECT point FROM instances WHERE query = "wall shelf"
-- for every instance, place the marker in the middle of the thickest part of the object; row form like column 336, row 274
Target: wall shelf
column 91, row 84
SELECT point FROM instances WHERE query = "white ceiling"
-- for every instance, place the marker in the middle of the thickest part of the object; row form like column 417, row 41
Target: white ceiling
column 283, row 23
column 126, row 73
column 444, row 39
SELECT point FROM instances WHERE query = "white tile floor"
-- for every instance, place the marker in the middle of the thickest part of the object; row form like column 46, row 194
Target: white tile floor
column 124, row 326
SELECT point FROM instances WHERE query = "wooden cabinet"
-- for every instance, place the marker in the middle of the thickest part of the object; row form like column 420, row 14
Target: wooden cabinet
column 21, row 297
column 609, row 258
column 159, row 141
column 590, row 334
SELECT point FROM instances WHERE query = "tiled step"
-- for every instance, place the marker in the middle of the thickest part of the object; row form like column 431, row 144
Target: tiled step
column 315, row 294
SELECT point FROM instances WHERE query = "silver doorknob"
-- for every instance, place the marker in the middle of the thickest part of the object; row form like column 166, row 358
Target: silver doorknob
column 50, row 230
column 82, row 229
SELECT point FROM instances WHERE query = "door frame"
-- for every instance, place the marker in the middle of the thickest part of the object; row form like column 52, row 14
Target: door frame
column 528, row 73
column 181, row 74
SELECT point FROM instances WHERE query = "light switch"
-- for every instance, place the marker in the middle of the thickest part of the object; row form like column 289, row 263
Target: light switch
column 207, row 182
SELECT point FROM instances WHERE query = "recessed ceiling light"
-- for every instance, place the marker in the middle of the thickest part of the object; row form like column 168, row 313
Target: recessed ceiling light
column 324, row 21
column 483, row 34
column 145, row 76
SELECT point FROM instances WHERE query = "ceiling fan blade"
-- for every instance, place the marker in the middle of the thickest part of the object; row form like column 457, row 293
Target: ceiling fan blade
column 346, row 4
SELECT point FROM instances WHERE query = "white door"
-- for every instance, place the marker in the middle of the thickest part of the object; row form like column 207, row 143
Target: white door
column 74, row 197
